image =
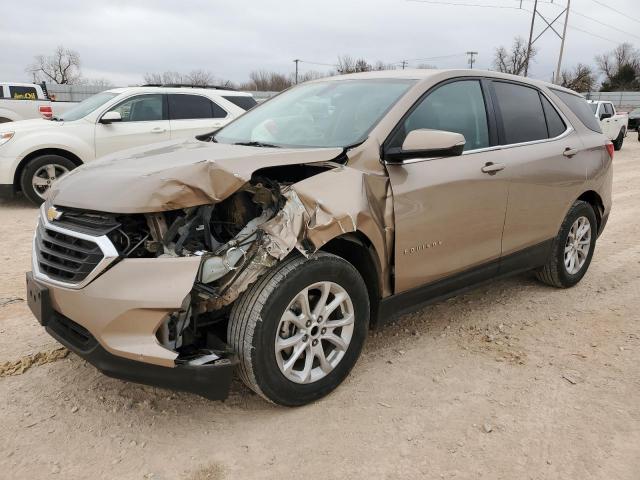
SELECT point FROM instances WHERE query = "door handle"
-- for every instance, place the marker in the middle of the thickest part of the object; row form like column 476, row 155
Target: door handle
column 492, row 168
column 158, row 130
column 569, row 152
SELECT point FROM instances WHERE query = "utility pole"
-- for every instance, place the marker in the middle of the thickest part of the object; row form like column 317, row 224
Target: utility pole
column 533, row 21
column 404, row 64
column 471, row 59
column 297, row 60
column 564, row 36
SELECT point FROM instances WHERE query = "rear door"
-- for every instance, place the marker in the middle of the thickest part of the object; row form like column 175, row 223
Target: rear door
column 192, row 115
column 144, row 121
column 449, row 213
column 544, row 165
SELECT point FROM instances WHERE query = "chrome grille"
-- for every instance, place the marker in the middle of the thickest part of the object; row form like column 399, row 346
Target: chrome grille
column 65, row 257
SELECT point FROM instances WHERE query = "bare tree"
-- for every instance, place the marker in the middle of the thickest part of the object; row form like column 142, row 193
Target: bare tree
column 266, row 81
column 426, row 66
column 62, row 67
column 348, row 64
column 164, row 78
column 513, row 61
column 99, row 82
column 621, row 68
column 580, row 79
column 199, row 78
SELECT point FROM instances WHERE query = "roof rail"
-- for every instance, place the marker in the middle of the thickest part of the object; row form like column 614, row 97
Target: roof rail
column 187, row 85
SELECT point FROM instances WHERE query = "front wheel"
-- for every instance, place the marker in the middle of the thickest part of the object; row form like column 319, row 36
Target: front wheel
column 299, row 330
column 617, row 143
column 40, row 173
column 572, row 248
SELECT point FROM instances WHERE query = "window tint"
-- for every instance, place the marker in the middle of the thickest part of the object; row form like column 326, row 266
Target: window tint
column 23, row 93
column 608, row 108
column 455, row 107
column 555, row 125
column 244, row 103
column 522, row 115
column 141, row 108
column 580, row 108
column 218, row 111
column 183, row 107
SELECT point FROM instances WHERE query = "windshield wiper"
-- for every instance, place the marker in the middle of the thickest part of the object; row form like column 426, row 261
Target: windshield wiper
column 257, row 144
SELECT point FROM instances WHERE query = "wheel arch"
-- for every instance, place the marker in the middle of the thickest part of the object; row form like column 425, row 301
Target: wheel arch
column 356, row 248
column 43, row 151
column 595, row 200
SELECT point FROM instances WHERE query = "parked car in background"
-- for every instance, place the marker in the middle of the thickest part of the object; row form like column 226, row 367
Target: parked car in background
column 24, row 101
column 614, row 125
column 35, row 153
column 634, row 119
column 273, row 244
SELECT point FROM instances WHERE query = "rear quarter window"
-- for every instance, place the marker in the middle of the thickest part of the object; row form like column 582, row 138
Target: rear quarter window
column 580, row 108
column 23, row 93
column 244, row 103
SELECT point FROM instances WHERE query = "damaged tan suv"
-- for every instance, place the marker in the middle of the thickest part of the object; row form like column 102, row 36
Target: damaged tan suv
column 272, row 245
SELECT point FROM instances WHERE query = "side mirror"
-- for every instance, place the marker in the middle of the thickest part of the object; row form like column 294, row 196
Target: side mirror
column 604, row 116
column 111, row 117
column 424, row 143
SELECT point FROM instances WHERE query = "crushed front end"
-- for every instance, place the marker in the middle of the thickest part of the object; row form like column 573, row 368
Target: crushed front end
column 145, row 297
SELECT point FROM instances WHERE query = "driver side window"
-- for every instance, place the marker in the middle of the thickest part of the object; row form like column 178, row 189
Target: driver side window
column 141, row 108
column 454, row 107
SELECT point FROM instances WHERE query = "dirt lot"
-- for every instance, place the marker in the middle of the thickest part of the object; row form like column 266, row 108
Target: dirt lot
column 513, row 381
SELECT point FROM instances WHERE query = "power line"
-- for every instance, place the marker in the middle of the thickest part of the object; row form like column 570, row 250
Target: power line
column 440, row 2
column 615, row 10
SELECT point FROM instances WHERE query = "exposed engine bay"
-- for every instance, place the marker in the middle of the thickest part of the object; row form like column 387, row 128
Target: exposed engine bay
column 238, row 240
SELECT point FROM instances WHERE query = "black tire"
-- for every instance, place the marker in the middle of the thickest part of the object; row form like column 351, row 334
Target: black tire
column 617, row 143
column 33, row 166
column 255, row 318
column 555, row 272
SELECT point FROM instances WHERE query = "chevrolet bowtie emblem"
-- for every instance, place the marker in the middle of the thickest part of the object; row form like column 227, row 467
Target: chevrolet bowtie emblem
column 53, row 214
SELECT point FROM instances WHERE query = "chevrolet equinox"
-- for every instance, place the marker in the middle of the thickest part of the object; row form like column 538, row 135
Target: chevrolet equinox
column 270, row 246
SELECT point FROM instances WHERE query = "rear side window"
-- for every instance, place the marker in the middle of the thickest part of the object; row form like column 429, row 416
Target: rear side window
column 190, row 107
column 244, row 103
column 23, row 93
column 555, row 124
column 522, row 114
column 580, row 108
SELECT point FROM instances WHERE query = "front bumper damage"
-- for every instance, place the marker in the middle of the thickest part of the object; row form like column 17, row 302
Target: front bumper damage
column 211, row 381
column 112, row 323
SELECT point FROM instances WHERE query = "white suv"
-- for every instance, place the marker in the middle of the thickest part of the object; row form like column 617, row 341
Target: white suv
column 34, row 153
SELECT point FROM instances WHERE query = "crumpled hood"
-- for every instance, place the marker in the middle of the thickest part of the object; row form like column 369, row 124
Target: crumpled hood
column 172, row 175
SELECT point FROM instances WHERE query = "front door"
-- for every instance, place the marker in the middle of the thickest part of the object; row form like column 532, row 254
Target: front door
column 449, row 212
column 144, row 121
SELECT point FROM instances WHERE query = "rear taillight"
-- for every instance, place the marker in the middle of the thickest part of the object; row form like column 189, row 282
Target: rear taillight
column 610, row 149
column 46, row 111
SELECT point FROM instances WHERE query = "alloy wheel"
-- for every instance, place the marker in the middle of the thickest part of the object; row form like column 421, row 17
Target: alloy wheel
column 44, row 177
column 576, row 249
column 314, row 332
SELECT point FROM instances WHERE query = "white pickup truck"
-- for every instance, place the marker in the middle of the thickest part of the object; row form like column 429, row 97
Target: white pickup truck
column 24, row 101
column 614, row 125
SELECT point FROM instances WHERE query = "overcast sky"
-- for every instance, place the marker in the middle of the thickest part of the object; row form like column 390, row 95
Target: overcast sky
column 121, row 40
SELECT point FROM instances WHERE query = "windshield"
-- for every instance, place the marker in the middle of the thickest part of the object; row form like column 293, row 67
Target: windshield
column 319, row 114
column 87, row 106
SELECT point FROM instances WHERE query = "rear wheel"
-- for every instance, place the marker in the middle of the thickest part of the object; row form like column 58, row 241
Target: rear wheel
column 572, row 248
column 299, row 330
column 617, row 143
column 40, row 173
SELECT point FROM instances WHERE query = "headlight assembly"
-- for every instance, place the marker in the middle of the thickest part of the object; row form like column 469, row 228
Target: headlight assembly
column 5, row 137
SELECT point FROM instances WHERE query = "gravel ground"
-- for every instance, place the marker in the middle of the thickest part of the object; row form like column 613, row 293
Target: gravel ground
column 512, row 381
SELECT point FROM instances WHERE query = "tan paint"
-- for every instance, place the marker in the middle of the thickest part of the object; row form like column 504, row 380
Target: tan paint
column 445, row 213
column 124, row 307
